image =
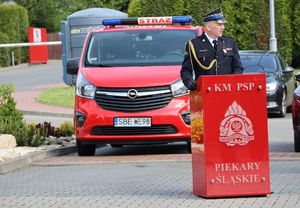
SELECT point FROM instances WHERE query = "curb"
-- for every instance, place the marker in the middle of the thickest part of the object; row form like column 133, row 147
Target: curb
column 22, row 162
column 36, row 113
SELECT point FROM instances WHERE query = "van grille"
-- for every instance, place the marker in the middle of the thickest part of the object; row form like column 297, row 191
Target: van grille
column 155, row 129
column 117, row 99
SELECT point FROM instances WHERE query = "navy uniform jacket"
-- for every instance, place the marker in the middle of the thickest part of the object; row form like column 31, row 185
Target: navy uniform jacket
column 227, row 56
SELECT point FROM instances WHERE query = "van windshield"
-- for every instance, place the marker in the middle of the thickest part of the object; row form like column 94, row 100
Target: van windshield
column 138, row 48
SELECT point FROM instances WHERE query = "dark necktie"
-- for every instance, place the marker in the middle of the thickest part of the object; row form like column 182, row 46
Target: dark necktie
column 215, row 44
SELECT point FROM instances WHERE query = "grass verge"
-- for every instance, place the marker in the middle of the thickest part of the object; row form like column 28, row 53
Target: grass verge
column 59, row 96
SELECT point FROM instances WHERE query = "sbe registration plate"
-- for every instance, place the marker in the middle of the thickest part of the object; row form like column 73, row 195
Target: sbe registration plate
column 132, row 122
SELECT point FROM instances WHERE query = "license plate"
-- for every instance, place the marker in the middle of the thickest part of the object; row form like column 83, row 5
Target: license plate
column 132, row 122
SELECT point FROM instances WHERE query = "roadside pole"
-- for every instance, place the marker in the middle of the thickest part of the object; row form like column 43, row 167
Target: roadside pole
column 272, row 41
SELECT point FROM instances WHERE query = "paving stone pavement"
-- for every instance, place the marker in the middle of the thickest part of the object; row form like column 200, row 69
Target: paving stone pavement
column 139, row 184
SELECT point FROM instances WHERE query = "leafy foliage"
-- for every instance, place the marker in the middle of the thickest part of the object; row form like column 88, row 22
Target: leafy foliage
column 4, row 52
column 33, row 136
column 195, row 8
column 13, row 24
column 296, row 28
column 66, row 128
column 46, row 129
column 284, row 33
column 50, row 13
column 11, row 120
column 241, row 22
column 46, row 14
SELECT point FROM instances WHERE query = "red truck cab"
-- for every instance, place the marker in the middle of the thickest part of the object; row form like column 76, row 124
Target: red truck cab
column 128, row 88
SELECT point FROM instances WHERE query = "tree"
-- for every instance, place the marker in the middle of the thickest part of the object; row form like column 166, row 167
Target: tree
column 155, row 8
column 296, row 23
column 49, row 13
column 13, row 24
column 121, row 5
column 195, row 8
column 243, row 23
column 284, row 35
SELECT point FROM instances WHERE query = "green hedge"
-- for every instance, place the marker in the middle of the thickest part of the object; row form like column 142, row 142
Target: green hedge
column 13, row 24
column 194, row 8
column 296, row 23
column 4, row 52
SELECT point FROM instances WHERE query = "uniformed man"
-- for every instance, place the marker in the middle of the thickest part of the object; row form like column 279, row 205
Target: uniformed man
column 212, row 53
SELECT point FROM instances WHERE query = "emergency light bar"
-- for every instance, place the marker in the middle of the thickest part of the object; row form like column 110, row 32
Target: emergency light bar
column 148, row 21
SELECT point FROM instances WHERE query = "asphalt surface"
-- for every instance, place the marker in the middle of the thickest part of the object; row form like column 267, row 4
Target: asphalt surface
column 31, row 76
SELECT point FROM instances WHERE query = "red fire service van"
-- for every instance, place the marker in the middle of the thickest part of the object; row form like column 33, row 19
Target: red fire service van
column 128, row 88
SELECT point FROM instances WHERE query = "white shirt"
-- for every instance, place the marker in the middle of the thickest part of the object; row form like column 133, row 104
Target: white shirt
column 211, row 39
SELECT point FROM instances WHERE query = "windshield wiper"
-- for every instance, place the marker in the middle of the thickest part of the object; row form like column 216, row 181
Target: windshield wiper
column 97, row 65
column 256, row 67
column 259, row 63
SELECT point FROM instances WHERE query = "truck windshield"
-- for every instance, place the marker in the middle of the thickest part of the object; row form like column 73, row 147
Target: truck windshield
column 138, row 48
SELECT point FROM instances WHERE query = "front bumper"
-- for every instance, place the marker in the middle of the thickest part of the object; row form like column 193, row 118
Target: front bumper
column 168, row 124
column 274, row 102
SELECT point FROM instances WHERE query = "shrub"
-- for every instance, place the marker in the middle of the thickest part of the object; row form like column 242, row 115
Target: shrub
column 11, row 120
column 4, row 52
column 46, row 129
column 34, row 136
column 14, row 24
column 66, row 128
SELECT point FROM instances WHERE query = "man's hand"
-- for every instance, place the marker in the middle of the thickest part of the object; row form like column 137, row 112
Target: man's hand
column 192, row 86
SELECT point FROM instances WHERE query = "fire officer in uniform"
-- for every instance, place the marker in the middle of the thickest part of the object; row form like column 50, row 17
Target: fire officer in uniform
column 212, row 53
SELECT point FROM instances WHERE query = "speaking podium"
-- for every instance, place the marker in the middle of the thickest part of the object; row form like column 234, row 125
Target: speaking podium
column 230, row 153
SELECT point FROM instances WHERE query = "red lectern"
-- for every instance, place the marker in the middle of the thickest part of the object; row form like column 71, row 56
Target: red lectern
column 230, row 153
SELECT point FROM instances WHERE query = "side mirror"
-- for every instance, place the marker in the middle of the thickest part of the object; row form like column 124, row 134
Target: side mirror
column 288, row 69
column 72, row 66
column 297, row 76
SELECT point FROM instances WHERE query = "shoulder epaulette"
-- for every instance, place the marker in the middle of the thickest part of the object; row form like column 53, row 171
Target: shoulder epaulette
column 193, row 39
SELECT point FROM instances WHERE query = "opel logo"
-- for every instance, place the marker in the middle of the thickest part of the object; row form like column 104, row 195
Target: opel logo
column 132, row 94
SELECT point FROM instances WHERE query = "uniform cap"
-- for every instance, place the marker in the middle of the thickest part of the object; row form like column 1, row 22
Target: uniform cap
column 215, row 15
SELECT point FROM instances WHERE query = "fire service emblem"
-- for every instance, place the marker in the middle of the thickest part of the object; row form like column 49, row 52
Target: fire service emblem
column 236, row 127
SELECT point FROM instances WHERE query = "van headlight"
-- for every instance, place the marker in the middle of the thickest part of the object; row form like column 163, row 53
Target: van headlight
column 84, row 88
column 178, row 89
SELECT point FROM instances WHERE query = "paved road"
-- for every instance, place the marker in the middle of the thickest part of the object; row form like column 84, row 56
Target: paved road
column 281, row 136
column 142, row 184
column 27, row 76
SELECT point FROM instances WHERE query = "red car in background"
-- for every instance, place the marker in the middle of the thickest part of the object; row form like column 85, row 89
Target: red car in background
column 128, row 88
column 296, row 116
